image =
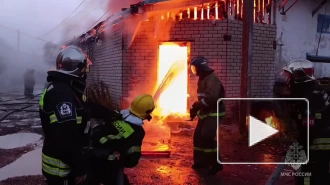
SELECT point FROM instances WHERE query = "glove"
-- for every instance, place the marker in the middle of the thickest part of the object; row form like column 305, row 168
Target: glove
column 194, row 109
column 193, row 113
column 149, row 117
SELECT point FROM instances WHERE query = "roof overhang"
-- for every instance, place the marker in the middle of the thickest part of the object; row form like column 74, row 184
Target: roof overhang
column 137, row 13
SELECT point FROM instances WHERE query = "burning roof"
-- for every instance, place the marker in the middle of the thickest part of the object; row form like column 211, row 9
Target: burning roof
column 147, row 6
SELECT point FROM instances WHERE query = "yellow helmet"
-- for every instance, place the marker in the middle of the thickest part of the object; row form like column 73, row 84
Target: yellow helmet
column 142, row 106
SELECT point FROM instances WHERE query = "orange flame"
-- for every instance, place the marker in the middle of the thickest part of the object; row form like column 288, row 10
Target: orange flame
column 208, row 11
column 202, row 13
column 188, row 12
column 195, row 13
column 173, row 98
column 271, row 121
column 216, row 10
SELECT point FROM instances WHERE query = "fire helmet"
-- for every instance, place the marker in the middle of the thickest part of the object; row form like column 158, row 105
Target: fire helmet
column 198, row 65
column 299, row 71
column 72, row 61
column 142, row 106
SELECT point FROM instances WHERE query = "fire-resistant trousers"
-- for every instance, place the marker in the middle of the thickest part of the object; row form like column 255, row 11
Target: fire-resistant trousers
column 106, row 172
column 60, row 181
column 318, row 167
column 205, row 144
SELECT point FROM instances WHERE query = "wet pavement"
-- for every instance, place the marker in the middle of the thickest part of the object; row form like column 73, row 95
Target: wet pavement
column 173, row 170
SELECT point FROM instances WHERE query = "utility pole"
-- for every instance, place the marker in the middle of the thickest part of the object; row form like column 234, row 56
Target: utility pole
column 18, row 39
column 248, row 9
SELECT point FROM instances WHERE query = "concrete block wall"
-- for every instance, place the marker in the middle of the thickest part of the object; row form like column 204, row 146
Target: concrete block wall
column 107, row 63
column 206, row 38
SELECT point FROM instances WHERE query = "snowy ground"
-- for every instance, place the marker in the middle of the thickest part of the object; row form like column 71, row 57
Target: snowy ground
column 21, row 142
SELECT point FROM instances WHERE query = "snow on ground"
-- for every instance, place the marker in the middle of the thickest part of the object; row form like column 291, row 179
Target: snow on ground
column 27, row 164
column 18, row 140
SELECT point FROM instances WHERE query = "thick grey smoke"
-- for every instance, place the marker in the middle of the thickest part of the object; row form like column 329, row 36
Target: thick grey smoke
column 14, row 63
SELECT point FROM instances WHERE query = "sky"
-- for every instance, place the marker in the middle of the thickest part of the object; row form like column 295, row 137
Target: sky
column 39, row 21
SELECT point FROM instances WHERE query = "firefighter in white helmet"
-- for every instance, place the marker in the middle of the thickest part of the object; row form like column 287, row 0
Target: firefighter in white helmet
column 117, row 144
column 302, row 83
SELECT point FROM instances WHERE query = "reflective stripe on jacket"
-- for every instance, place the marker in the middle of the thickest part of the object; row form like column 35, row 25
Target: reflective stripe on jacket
column 320, row 144
column 202, row 116
column 54, row 166
column 209, row 91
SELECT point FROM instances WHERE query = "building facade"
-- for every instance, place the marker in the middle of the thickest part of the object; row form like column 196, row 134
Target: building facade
column 137, row 52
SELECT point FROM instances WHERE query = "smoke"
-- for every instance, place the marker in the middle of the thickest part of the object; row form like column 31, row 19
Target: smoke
column 115, row 6
column 13, row 65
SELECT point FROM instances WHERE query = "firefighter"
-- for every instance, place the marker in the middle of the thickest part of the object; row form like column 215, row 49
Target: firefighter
column 29, row 82
column 64, row 120
column 209, row 90
column 117, row 144
column 302, row 83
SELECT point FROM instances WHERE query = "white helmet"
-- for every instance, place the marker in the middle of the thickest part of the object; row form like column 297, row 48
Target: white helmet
column 299, row 71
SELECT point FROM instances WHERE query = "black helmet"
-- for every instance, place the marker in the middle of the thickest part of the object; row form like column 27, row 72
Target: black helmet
column 299, row 71
column 198, row 65
column 72, row 61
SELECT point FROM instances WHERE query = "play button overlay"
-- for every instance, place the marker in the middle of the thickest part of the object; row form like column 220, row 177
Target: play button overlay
column 259, row 131
column 264, row 135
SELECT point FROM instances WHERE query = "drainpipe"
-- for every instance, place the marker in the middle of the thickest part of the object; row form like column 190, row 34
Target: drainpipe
column 283, row 3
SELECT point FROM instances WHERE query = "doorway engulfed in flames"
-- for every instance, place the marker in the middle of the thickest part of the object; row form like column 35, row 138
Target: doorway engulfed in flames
column 172, row 80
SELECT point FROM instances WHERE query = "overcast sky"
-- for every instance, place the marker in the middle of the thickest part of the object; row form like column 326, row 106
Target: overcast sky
column 36, row 18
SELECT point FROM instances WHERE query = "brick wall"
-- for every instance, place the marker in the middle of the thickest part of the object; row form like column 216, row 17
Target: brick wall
column 107, row 64
column 263, row 66
column 139, row 62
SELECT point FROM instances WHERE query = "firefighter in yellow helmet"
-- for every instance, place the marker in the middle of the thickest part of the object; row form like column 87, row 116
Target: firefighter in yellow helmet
column 117, row 144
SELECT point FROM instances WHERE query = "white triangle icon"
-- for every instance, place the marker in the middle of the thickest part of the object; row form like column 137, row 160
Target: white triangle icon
column 259, row 131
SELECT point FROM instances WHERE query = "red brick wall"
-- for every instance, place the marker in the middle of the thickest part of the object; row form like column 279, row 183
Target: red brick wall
column 139, row 62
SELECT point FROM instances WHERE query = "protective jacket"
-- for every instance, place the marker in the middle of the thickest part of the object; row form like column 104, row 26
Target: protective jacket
column 319, row 133
column 115, row 145
column 63, row 122
column 121, row 136
column 209, row 90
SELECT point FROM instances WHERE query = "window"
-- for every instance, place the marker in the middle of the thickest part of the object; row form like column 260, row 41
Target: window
column 325, row 21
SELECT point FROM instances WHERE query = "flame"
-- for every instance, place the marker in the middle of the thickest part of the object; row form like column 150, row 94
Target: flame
column 195, row 13
column 202, row 13
column 181, row 16
column 208, row 11
column 254, row 10
column 216, row 10
column 271, row 122
column 188, row 12
column 173, row 95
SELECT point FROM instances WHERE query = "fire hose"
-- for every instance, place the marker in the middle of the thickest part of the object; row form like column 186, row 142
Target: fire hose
column 276, row 174
column 17, row 110
column 171, row 74
column 30, row 98
column 7, row 114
